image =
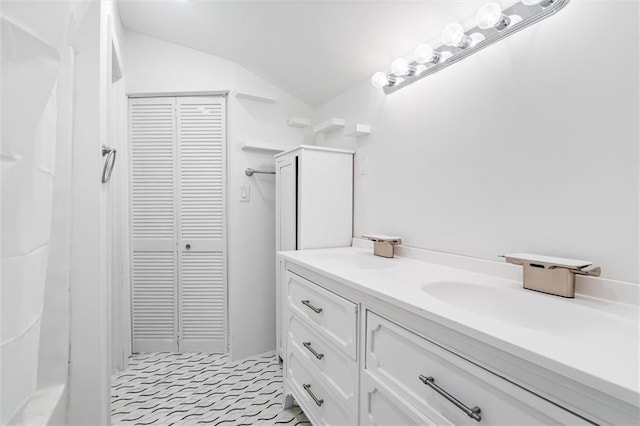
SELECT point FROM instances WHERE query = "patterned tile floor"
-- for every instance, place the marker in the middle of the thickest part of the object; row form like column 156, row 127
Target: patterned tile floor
column 190, row 389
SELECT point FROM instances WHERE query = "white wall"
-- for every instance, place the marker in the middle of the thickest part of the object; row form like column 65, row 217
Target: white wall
column 116, row 191
column 529, row 145
column 155, row 66
column 53, row 362
column 55, row 312
column 88, row 375
column 37, row 73
column 92, row 242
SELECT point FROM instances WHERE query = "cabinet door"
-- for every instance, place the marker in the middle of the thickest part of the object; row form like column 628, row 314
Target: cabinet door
column 153, row 224
column 325, row 205
column 403, row 361
column 201, row 226
column 286, row 228
column 286, row 202
column 380, row 406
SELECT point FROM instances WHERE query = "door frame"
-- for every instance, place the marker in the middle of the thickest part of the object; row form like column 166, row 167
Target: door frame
column 224, row 94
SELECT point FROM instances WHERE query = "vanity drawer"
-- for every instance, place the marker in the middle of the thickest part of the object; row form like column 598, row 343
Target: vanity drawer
column 315, row 398
column 338, row 370
column 382, row 407
column 403, row 361
column 333, row 316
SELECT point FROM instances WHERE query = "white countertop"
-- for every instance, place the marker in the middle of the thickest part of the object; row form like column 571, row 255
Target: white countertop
column 592, row 341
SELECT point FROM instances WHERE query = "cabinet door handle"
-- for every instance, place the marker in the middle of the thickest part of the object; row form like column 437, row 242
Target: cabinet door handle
column 310, row 306
column 318, row 402
column 473, row 412
column 313, row 351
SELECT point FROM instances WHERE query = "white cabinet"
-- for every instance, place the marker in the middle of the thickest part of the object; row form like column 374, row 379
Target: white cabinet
column 351, row 359
column 314, row 198
column 314, row 202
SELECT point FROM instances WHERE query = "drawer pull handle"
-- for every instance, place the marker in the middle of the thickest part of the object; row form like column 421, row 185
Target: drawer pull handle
column 473, row 412
column 313, row 351
column 310, row 306
column 318, row 402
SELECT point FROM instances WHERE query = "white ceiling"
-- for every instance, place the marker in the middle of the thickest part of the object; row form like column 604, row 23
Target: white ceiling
column 313, row 50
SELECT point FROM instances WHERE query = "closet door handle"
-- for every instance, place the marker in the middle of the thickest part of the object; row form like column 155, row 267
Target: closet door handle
column 473, row 412
column 318, row 402
column 188, row 246
column 313, row 351
column 310, row 306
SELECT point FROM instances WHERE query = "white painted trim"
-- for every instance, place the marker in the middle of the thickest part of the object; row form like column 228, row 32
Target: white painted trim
column 177, row 94
column 315, row 148
column 115, row 43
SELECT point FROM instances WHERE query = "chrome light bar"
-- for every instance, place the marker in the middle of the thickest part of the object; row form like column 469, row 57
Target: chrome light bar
column 493, row 25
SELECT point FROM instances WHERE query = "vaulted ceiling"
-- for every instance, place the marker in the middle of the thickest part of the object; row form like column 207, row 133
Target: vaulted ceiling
column 313, row 50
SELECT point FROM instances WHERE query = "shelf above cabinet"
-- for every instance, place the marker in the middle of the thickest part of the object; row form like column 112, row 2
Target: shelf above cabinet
column 329, row 125
column 259, row 146
column 258, row 97
column 299, row 122
column 356, row 130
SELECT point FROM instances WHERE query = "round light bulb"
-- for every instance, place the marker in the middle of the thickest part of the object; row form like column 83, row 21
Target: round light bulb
column 424, row 54
column 490, row 16
column 453, row 35
column 379, row 80
column 400, row 67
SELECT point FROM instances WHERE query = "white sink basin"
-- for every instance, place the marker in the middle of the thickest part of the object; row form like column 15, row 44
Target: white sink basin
column 525, row 308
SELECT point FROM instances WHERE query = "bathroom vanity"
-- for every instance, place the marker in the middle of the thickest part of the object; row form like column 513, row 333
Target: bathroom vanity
column 428, row 338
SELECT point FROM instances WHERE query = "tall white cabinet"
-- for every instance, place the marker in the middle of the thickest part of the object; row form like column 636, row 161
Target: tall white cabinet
column 314, row 208
column 178, row 260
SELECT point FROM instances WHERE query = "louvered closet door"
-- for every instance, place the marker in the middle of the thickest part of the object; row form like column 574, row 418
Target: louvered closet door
column 201, row 226
column 153, row 221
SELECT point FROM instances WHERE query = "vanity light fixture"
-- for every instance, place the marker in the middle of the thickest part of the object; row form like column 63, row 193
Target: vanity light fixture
column 424, row 54
column 401, row 67
column 453, row 35
column 492, row 24
column 380, row 80
column 490, row 16
column 543, row 3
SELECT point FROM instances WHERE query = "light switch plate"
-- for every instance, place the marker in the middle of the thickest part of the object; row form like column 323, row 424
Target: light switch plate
column 245, row 193
column 362, row 165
